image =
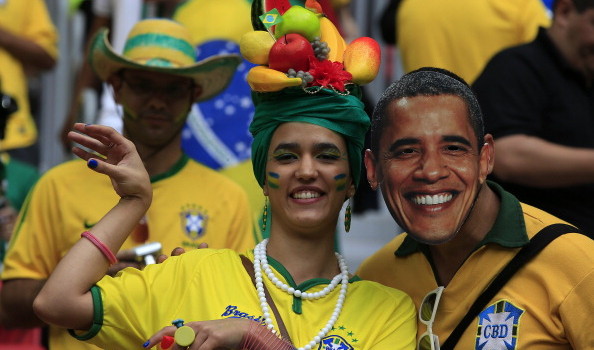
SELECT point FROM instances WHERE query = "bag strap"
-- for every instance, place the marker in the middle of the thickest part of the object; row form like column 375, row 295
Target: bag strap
column 249, row 267
column 536, row 244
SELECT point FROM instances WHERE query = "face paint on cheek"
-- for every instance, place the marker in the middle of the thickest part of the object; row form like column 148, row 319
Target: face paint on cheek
column 128, row 113
column 340, row 182
column 181, row 117
column 272, row 179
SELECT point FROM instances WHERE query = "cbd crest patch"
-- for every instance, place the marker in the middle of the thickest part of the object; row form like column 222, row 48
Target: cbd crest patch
column 194, row 221
column 498, row 327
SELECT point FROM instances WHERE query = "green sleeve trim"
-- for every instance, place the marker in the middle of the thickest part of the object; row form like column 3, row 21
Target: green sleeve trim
column 97, row 317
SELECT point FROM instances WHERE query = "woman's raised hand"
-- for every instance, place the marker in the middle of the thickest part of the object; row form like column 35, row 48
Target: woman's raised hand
column 115, row 156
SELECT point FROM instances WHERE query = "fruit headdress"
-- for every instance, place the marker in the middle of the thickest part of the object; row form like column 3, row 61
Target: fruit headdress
column 299, row 46
column 306, row 72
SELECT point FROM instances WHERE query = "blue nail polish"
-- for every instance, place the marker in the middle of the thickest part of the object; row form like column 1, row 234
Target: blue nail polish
column 146, row 344
column 92, row 163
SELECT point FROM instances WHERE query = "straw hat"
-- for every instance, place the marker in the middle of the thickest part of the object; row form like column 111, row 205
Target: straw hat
column 162, row 45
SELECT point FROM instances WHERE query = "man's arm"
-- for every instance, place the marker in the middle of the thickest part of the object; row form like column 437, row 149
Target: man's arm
column 532, row 161
column 16, row 303
column 28, row 52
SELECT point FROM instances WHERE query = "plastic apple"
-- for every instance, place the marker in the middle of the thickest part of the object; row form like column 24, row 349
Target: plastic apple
column 290, row 51
column 299, row 20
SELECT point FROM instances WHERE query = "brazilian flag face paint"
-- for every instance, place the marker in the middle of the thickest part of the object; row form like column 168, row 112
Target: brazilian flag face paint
column 129, row 113
column 272, row 179
column 340, row 182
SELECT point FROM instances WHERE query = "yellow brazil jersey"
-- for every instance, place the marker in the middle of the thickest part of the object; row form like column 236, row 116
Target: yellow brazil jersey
column 213, row 284
column 545, row 306
column 191, row 204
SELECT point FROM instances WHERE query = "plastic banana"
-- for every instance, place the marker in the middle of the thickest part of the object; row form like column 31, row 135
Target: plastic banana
column 264, row 79
column 332, row 37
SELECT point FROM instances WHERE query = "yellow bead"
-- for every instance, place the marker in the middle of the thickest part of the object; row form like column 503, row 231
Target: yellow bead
column 184, row 336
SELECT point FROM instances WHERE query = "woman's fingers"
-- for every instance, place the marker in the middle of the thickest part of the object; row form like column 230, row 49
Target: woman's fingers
column 199, row 342
column 108, row 152
column 87, row 142
column 101, row 139
column 158, row 337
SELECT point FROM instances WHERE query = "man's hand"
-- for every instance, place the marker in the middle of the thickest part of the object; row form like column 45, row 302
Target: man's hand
column 126, row 258
column 177, row 251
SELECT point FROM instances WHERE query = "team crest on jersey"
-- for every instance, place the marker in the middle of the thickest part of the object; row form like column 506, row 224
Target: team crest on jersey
column 498, row 327
column 194, row 222
column 334, row 342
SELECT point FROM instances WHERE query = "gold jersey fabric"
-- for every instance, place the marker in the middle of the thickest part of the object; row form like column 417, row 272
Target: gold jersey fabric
column 31, row 20
column 546, row 305
column 211, row 284
column 462, row 35
column 191, row 204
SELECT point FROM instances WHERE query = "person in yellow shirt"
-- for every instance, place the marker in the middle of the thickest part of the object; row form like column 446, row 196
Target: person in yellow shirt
column 430, row 157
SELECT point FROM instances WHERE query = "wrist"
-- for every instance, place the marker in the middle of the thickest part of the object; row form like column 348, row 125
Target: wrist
column 139, row 202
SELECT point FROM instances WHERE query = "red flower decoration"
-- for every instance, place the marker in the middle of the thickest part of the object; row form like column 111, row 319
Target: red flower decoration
column 328, row 74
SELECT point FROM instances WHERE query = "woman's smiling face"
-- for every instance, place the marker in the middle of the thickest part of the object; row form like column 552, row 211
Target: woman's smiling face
column 307, row 176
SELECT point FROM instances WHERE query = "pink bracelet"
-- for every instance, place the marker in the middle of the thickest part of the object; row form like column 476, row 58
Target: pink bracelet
column 101, row 246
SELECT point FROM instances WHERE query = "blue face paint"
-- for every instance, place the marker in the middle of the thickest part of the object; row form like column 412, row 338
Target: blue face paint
column 340, row 182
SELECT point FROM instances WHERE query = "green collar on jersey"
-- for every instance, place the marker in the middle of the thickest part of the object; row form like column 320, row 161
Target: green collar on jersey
column 183, row 160
column 304, row 286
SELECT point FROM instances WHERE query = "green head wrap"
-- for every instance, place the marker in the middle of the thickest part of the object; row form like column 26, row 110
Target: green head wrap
column 343, row 114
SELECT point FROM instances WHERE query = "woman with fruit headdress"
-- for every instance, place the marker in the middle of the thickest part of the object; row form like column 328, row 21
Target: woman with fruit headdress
column 291, row 291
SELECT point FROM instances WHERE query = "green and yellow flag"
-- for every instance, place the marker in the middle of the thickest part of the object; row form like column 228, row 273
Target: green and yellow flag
column 271, row 18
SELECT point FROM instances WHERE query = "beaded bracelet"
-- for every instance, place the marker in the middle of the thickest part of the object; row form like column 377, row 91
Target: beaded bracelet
column 101, row 246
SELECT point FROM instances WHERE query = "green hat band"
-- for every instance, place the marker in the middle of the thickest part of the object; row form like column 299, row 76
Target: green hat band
column 343, row 114
column 177, row 50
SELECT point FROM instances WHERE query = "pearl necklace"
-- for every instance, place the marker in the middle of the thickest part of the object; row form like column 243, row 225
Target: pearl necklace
column 261, row 261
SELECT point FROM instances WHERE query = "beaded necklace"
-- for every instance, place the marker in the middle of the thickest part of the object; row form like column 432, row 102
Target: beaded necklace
column 261, row 261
